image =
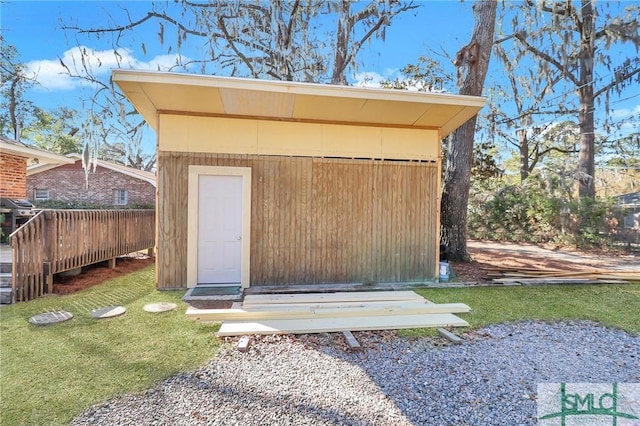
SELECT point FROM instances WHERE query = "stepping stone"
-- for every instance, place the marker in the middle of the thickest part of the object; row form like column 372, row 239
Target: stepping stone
column 108, row 312
column 50, row 318
column 159, row 307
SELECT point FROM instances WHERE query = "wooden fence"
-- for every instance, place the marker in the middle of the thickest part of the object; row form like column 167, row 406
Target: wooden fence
column 55, row 241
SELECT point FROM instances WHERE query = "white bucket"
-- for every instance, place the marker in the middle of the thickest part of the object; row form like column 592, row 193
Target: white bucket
column 444, row 270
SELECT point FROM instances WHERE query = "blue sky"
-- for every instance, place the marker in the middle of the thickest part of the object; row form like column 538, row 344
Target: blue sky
column 34, row 28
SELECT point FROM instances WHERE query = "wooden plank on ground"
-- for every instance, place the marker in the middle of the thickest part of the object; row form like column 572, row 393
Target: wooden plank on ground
column 327, row 325
column 352, row 304
column 549, row 280
column 243, row 343
column 356, row 296
column 449, row 336
column 352, row 342
column 294, row 311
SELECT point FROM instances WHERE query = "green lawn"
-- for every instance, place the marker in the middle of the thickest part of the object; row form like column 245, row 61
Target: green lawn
column 50, row 374
column 612, row 305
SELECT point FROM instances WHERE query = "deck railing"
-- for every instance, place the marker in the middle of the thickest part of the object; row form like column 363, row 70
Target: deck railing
column 55, row 241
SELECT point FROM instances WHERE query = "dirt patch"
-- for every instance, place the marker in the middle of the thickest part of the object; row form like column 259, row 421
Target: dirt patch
column 100, row 272
column 491, row 255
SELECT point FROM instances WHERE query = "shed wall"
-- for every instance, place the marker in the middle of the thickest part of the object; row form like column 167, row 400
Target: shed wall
column 268, row 137
column 314, row 220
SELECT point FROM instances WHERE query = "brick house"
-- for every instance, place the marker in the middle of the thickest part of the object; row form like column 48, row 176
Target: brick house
column 110, row 184
column 15, row 156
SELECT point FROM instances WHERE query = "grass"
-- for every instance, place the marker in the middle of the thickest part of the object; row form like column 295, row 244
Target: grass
column 50, row 374
column 611, row 305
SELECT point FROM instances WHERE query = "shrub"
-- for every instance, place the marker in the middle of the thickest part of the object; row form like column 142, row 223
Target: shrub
column 539, row 211
column 73, row 205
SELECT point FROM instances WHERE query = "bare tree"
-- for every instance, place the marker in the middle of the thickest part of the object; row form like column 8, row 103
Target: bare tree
column 299, row 40
column 472, row 62
column 112, row 130
column 572, row 41
column 526, row 88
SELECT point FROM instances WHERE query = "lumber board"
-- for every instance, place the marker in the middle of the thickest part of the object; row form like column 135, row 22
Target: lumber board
column 352, row 342
column 356, row 296
column 533, row 281
column 244, row 343
column 318, row 311
column 616, row 276
column 353, row 304
column 328, row 325
column 449, row 336
column 549, row 280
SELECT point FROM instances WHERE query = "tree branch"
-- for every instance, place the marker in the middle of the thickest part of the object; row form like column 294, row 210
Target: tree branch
column 132, row 25
column 618, row 80
column 233, row 46
column 521, row 37
column 366, row 13
column 546, row 8
column 294, row 12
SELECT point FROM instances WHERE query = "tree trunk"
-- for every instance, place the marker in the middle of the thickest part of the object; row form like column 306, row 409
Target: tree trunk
column 586, row 157
column 472, row 62
column 524, row 155
column 342, row 45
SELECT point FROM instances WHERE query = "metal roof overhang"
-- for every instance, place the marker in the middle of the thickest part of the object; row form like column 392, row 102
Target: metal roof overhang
column 153, row 93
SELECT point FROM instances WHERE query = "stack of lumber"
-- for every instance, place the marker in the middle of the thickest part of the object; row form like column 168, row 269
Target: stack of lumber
column 531, row 276
column 331, row 312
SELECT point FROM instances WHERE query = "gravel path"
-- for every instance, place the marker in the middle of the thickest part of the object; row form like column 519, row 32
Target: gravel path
column 311, row 380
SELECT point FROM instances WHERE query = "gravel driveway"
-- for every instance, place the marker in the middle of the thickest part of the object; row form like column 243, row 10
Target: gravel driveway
column 490, row 379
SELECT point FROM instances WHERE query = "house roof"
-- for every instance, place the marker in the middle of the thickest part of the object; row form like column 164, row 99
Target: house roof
column 129, row 171
column 31, row 152
column 153, row 93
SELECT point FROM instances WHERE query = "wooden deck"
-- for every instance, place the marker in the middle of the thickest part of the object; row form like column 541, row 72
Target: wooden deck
column 55, row 241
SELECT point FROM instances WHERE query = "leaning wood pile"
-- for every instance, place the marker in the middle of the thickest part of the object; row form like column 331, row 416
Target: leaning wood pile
column 331, row 312
column 531, row 276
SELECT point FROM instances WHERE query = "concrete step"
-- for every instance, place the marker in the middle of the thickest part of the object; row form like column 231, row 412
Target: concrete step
column 5, row 267
column 5, row 280
column 6, row 296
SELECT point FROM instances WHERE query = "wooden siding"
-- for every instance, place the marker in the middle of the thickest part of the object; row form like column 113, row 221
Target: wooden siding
column 267, row 137
column 314, row 220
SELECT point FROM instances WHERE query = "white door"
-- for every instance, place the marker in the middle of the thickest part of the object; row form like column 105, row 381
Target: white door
column 219, row 229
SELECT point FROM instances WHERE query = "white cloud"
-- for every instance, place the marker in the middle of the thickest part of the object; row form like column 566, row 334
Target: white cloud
column 625, row 112
column 373, row 79
column 84, row 61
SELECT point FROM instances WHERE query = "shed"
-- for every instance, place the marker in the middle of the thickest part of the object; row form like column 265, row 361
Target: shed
column 274, row 183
